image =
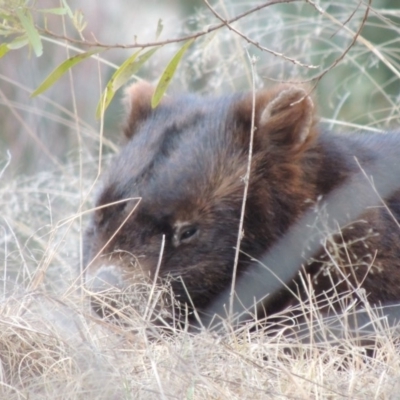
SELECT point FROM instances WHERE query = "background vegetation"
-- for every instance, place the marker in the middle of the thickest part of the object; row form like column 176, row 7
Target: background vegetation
column 53, row 148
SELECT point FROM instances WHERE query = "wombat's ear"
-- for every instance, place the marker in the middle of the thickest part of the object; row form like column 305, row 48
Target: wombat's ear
column 284, row 118
column 287, row 117
column 137, row 103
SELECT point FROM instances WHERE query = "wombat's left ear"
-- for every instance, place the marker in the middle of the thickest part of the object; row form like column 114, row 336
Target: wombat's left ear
column 137, row 103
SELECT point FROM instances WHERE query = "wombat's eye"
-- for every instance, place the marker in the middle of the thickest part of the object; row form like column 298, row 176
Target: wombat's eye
column 187, row 233
column 184, row 233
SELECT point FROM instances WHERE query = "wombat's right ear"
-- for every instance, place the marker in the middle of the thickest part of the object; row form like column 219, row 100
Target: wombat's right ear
column 137, row 103
column 284, row 118
column 287, row 117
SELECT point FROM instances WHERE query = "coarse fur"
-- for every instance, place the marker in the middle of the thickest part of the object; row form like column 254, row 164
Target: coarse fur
column 180, row 176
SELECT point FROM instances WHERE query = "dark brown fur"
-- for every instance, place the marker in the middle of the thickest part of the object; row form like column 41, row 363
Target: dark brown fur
column 186, row 161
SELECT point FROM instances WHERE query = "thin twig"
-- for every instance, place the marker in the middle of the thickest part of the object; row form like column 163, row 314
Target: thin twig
column 253, row 42
column 246, row 187
column 167, row 41
column 353, row 41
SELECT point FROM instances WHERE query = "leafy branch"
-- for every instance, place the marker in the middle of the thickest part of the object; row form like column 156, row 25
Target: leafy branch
column 20, row 27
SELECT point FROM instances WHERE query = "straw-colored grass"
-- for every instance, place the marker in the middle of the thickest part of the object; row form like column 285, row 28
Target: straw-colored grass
column 53, row 346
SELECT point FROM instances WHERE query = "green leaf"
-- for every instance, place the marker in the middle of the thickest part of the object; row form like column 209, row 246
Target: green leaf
column 69, row 11
column 168, row 74
column 129, row 67
column 3, row 49
column 111, row 87
column 32, row 33
column 62, row 69
column 160, row 27
column 56, row 11
column 18, row 42
column 79, row 20
column 122, row 74
column 105, row 100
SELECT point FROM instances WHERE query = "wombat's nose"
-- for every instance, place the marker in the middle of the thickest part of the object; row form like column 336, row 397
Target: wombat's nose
column 105, row 278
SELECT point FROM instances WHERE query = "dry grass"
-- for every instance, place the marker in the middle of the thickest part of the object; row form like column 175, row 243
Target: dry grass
column 53, row 346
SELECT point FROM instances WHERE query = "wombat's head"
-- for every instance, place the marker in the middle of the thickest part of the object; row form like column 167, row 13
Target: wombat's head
column 171, row 203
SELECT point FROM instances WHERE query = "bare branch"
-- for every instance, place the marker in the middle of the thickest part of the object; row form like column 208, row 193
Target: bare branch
column 167, row 41
column 253, row 42
column 353, row 41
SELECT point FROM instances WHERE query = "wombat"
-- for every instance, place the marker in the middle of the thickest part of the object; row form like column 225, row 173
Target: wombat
column 171, row 202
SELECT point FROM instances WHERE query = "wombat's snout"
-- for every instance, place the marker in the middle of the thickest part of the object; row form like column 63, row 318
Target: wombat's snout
column 106, row 286
column 118, row 292
column 106, row 277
